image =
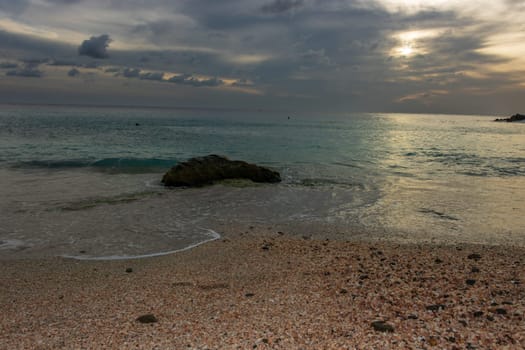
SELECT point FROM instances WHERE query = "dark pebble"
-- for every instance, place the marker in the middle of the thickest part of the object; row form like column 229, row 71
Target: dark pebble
column 474, row 269
column 249, row 295
column 343, row 291
column 82, row 252
column 129, row 270
column 501, row 311
column 463, row 322
column 452, row 339
column 478, row 313
column 435, row 307
column 490, row 318
column 412, row 317
column 382, row 326
column 438, row 261
column 470, row 282
column 474, row 256
column 149, row 318
column 363, row 277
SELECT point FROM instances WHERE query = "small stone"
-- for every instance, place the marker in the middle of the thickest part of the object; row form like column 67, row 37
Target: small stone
column 363, row 277
column 474, row 256
column 249, row 295
column 412, row 317
column 438, row 261
column 451, row 339
column 435, row 307
column 490, row 318
column 463, row 322
column 470, row 282
column 474, row 269
column 148, row 318
column 478, row 313
column 82, row 252
column 381, row 326
column 501, row 311
column 129, row 270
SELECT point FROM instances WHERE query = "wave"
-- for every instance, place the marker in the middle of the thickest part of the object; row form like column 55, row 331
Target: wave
column 117, row 165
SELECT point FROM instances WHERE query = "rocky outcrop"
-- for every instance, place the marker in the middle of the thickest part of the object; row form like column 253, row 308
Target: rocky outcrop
column 515, row 118
column 206, row 170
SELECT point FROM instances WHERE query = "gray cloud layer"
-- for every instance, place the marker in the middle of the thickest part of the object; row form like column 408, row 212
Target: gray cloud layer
column 338, row 54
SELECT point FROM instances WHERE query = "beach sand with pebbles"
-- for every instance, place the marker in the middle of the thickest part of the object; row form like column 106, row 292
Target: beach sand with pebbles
column 271, row 291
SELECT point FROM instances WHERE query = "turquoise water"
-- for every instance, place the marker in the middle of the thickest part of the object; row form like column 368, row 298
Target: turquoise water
column 85, row 181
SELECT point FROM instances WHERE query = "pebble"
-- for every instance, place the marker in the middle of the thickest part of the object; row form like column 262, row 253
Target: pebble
column 474, row 256
column 129, row 270
column 382, row 326
column 148, row 318
column 435, row 307
column 470, row 282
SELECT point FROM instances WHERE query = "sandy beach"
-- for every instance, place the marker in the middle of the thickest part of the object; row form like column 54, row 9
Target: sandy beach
column 271, row 291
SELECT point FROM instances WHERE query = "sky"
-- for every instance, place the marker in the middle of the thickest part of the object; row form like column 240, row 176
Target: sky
column 420, row 56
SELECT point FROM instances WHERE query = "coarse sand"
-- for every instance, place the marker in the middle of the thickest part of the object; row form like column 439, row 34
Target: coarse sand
column 271, row 291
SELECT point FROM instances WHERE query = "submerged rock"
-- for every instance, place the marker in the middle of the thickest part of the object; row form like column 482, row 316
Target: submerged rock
column 515, row 118
column 206, row 170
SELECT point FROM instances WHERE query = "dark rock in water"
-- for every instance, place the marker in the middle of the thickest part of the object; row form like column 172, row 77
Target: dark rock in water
column 515, row 118
column 206, row 170
column 382, row 326
column 149, row 318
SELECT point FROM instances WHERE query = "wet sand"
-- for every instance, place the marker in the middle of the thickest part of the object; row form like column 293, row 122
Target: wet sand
column 271, row 291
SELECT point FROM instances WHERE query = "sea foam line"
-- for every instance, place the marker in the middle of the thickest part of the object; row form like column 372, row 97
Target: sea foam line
column 214, row 236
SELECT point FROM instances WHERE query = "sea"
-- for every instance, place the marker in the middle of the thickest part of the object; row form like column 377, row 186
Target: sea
column 85, row 182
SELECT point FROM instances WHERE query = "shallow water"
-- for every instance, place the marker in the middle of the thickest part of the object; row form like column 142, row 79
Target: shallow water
column 85, row 182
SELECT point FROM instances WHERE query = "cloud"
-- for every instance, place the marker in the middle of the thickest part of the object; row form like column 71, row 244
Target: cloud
column 188, row 79
column 8, row 65
column 280, row 6
column 26, row 73
column 152, row 76
column 73, row 72
column 131, row 72
column 95, row 47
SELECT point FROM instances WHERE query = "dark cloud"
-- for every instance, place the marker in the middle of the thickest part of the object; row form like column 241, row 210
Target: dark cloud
column 95, row 47
column 131, row 72
column 152, row 76
column 188, row 79
column 62, row 63
column 26, row 73
column 280, row 6
column 73, row 72
column 8, row 65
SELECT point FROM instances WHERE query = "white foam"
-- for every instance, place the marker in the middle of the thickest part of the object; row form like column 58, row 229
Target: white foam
column 214, row 236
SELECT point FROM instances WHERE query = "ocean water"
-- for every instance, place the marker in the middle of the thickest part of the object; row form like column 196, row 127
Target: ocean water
column 85, row 182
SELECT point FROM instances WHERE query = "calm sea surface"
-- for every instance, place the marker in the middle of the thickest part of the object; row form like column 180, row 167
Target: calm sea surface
column 85, row 182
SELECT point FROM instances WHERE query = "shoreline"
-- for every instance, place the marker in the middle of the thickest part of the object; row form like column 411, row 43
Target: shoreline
column 271, row 291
